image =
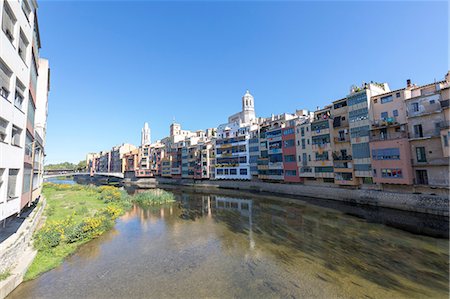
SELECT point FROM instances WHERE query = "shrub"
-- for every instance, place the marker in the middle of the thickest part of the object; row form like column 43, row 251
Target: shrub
column 153, row 197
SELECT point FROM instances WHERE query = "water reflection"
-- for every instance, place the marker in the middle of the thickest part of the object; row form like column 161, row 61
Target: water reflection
column 217, row 245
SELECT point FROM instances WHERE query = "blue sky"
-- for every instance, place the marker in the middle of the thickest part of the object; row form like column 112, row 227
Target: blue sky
column 116, row 65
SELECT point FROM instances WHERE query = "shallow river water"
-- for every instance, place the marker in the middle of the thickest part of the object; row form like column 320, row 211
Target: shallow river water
column 252, row 246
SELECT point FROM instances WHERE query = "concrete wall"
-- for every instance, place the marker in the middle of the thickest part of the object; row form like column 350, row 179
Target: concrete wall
column 431, row 204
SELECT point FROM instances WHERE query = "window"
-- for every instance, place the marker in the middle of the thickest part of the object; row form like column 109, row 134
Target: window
column 8, row 22
column 361, row 150
column 432, row 102
column 303, row 144
column 320, row 126
column 233, row 171
column 289, row 158
column 18, row 98
column 321, row 139
column 289, row 143
column 15, row 139
column 418, row 131
column 420, row 154
column 3, row 129
column 23, row 45
column 226, row 171
column 5, row 76
column 323, row 169
column 288, row 131
column 358, row 132
column 322, row 157
column 290, row 172
column 397, row 94
column 357, row 98
column 26, row 180
column 12, row 182
column 384, row 115
column 302, row 130
column 386, row 99
column 395, row 112
column 358, row 115
column 386, row 154
column 363, row 167
column 26, row 9
column 391, row 173
column 415, row 107
column 445, row 138
column 276, row 158
column 309, row 157
column 219, row 171
column 28, row 144
column 421, row 177
column 243, row 171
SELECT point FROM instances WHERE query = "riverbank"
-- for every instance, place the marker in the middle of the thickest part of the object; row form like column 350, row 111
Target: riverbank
column 420, row 203
column 16, row 251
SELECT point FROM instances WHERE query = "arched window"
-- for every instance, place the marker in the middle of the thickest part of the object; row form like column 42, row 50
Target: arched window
column 246, row 102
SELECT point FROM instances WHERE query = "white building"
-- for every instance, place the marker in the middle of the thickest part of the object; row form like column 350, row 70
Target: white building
column 19, row 59
column 232, row 144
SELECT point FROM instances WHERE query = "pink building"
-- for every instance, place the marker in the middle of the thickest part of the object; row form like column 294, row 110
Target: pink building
column 289, row 151
column 389, row 143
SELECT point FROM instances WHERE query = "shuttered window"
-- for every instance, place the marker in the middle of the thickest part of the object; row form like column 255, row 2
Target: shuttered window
column 8, row 22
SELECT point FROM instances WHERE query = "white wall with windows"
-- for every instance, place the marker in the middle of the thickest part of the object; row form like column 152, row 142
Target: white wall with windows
column 16, row 36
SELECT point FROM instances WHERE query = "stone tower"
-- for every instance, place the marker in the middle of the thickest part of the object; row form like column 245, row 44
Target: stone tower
column 145, row 135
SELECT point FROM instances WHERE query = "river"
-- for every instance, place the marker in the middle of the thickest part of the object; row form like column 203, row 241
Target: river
column 234, row 244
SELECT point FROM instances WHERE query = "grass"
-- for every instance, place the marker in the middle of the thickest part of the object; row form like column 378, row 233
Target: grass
column 5, row 274
column 76, row 214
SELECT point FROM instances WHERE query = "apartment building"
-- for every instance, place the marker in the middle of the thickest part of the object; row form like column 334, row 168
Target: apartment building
column 389, row 143
column 322, row 145
column 131, row 162
column 270, row 163
column 232, row 144
column 344, row 173
column 19, row 67
column 289, row 151
column 426, row 108
column 304, row 149
column 360, row 121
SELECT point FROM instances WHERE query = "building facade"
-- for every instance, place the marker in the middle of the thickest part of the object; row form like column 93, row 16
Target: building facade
column 21, row 145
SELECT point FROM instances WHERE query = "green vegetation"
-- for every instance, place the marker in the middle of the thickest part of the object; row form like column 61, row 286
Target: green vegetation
column 153, row 197
column 5, row 274
column 76, row 214
column 81, row 166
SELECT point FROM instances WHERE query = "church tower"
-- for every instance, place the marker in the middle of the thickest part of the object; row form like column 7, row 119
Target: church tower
column 248, row 107
column 145, row 135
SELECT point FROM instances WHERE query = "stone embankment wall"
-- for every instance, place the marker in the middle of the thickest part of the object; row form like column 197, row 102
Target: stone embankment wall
column 422, row 203
column 17, row 253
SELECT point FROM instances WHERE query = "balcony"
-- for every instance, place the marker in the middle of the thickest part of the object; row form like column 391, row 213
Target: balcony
column 342, row 139
column 444, row 124
column 388, row 136
column 444, row 161
column 386, row 122
column 339, row 166
column 337, row 157
column 425, row 108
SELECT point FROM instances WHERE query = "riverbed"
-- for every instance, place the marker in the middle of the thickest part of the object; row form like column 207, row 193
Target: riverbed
column 245, row 245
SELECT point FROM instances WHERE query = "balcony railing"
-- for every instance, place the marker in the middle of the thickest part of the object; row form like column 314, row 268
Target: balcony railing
column 342, row 157
column 342, row 139
column 388, row 136
column 386, row 122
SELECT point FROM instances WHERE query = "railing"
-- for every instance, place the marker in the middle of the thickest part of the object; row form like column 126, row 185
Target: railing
column 342, row 157
column 342, row 139
column 386, row 122
column 388, row 136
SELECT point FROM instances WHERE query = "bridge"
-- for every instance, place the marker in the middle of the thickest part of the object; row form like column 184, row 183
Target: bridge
column 73, row 173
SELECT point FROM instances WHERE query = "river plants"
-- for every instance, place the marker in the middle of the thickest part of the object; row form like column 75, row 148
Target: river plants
column 77, row 214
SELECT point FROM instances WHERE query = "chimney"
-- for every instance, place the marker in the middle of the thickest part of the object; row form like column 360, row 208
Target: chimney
column 408, row 83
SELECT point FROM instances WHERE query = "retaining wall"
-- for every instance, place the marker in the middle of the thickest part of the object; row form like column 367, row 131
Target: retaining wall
column 422, row 203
